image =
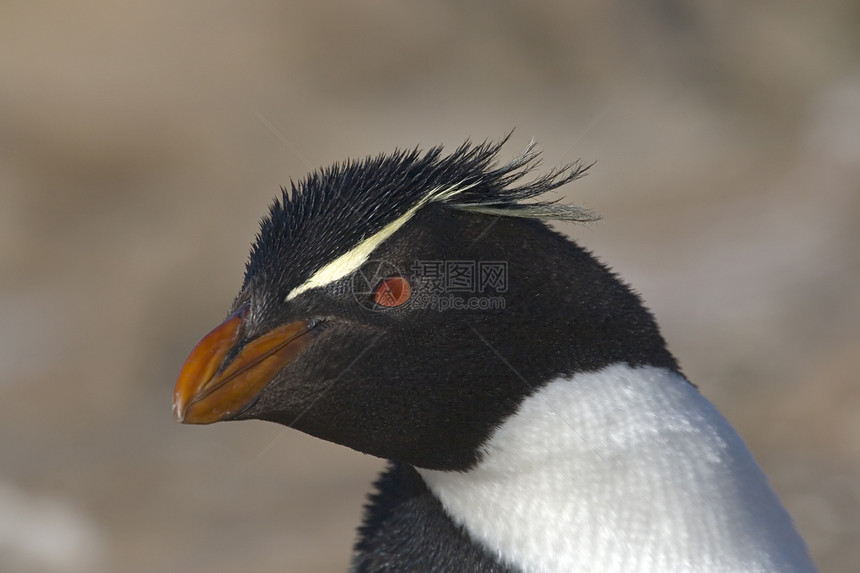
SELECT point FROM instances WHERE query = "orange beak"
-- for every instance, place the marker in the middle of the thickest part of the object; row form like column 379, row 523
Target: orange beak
column 212, row 387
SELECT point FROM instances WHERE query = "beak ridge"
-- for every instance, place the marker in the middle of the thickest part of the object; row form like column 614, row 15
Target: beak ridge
column 210, row 390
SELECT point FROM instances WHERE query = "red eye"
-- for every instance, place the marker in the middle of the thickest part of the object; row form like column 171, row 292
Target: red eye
column 392, row 292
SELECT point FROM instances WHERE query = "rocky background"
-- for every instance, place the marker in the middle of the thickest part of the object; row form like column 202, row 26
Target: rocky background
column 141, row 142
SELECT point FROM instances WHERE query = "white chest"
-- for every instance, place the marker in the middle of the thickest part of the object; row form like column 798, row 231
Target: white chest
column 623, row 470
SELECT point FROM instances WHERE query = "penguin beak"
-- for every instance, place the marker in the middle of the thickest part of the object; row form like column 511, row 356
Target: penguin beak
column 221, row 377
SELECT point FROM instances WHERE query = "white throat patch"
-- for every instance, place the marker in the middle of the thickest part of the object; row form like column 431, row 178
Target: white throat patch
column 622, row 470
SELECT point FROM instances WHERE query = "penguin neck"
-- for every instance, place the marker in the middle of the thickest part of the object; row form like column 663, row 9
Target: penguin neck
column 405, row 528
column 624, row 469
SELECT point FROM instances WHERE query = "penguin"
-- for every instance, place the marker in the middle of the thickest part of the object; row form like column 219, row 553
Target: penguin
column 417, row 307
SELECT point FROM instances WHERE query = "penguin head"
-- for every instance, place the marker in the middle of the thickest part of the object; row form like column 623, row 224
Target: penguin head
column 405, row 305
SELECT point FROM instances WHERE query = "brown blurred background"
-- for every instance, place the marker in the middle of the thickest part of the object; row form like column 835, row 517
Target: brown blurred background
column 140, row 144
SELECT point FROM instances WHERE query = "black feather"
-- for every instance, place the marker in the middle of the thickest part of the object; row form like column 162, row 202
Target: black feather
column 332, row 210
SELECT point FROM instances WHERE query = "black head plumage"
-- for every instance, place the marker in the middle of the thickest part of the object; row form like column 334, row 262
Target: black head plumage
column 333, row 209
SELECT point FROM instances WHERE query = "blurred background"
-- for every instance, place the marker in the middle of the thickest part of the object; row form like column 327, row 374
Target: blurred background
column 141, row 142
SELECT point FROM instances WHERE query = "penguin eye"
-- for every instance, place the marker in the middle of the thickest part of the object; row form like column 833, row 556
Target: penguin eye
column 392, row 292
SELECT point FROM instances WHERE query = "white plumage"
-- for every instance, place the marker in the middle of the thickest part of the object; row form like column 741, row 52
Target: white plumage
column 622, row 470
